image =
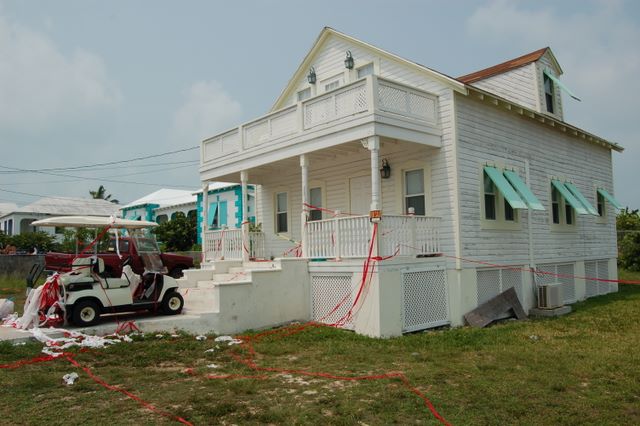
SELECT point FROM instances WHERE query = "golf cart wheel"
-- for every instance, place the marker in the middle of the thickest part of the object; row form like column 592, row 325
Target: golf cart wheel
column 172, row 303
column 86, row 313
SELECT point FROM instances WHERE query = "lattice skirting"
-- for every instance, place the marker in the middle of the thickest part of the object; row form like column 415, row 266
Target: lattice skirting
column 567, row 282
column 491, row 282
column 425, row 299
column 597, row 269
column 329, row 290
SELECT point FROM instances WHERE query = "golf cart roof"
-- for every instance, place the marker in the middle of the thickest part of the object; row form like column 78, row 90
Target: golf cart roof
column 94, row 222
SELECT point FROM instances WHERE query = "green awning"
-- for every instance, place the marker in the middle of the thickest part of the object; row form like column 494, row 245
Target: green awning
column 610, row 199
column 581, row 198
column 523, row 190
column 560, row 84
column 569, row 198
column 505, row 188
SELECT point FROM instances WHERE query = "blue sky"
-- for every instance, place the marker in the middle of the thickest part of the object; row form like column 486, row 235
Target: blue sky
column 85, row 82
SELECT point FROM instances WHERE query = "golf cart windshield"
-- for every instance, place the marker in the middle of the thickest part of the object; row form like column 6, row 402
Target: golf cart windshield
column 147, row 247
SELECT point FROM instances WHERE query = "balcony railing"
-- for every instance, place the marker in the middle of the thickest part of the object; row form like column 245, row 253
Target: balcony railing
column 227, row 244
column 349, row 237
column 366, row 96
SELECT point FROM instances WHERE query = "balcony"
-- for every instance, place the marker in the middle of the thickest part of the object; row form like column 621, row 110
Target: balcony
column 367, row 107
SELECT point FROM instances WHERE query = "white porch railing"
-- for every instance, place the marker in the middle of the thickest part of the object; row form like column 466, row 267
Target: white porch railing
column 346, row 237
column 227, row 244
column 372, row 94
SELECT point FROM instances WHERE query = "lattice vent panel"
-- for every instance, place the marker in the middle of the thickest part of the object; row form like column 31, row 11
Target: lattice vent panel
column 422, row 106
column 327, row 291
column 568, row 282
column 603, row 274
column 488, row 284
column 392, row 98
column 491, row 282
column 591, row 270
column 425, row 300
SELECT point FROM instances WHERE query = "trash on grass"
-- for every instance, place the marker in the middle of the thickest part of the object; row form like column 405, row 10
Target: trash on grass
column 6, row 307
column 70, row 378
column 229, row 339
column 201, row 337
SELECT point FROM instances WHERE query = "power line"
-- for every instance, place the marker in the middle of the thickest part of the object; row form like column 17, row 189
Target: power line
column 113, row 167
column 100, row 177
column 100, row 164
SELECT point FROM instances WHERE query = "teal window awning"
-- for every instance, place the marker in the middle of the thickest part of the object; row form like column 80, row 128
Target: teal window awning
column 610, row 198
column 505, row 188
column 581, row 198
column 569, row 198
column 523, row 190
column 560, row 84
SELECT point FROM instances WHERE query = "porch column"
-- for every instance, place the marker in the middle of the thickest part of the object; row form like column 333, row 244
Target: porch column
column 304, row 168
column 244, row 176
column 205, row 219
column 373, row 144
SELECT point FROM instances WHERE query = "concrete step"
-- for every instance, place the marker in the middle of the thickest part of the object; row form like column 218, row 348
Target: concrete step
column 199, row 300
column 198, row 274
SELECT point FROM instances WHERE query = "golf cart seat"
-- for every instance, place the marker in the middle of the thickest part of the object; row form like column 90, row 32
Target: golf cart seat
column 82, row 267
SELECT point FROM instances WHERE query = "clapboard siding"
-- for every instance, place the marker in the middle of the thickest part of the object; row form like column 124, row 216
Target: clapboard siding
column 518, row 85
column 488, row 134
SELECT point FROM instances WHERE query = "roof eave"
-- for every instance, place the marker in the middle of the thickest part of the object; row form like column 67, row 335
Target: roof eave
column 544, row 118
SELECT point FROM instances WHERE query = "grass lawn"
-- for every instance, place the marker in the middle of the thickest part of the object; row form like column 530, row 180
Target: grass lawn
column 583, row 368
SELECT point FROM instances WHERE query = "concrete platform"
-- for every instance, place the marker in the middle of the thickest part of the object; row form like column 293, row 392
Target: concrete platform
column 556, row 312
column 146, row 322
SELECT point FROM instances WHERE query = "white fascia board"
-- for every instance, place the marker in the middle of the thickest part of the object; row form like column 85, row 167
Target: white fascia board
column 327, row 31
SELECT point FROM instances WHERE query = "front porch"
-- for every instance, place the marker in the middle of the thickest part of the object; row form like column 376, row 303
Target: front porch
column 346, row 237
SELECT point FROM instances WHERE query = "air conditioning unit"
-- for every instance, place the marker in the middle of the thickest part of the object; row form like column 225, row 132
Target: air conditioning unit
column 550, row 296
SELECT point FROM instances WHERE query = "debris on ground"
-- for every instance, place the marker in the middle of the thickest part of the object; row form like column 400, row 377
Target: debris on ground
column 70, row 378
column 231, row 341
column 201, row 337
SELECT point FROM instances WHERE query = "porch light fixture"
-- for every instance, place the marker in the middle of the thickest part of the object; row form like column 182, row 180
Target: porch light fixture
column 311, row 77
column 385, row 171
column 348, row 63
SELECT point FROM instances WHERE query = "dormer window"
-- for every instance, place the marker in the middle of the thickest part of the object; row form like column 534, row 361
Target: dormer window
column 548, row 92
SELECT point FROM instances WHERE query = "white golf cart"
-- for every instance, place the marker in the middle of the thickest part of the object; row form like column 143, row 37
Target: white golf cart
column 86, row 293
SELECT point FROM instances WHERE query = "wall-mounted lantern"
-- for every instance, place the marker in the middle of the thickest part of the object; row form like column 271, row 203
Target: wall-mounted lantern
column 311, row 77
column 348, row 62
column 385, row 171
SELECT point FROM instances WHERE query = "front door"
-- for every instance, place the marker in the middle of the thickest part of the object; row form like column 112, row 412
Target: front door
column 360, row 195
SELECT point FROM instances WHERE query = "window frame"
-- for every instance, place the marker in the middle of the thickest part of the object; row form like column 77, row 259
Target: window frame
column 299, row 98
column 563, row 208
column 362, row 67
column 406, row 195
column 277, row 212
column 549, row 95
column 500, row 223
column 399, row 184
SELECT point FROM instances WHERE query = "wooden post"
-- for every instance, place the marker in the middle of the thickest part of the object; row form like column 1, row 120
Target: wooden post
column 205, row 219
column 304, row 168
column 373, row 144
column 244, row 226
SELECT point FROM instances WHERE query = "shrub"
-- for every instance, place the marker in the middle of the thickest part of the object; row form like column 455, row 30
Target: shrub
column 178, row 234
column 41, row 240
column 628, row 225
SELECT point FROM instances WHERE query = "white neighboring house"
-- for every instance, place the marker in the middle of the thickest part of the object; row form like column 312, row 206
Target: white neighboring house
column 482, row 167
column 18, row 220
column 160, row 206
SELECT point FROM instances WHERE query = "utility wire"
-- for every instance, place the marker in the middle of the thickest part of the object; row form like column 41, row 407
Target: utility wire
column 100, row 164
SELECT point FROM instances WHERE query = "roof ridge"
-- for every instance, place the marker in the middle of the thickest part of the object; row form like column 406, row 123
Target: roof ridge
column 503, row 66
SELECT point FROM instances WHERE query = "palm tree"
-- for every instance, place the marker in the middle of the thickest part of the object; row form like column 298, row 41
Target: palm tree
column 100, row 194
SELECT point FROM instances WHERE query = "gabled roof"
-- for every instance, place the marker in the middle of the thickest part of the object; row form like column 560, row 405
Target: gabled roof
column 163, row 197
column 322, row 38
column 70, row 206
column 509, row 65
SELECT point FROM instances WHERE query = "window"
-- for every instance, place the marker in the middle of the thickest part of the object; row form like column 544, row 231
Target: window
column 281, row 213
column 315, row 199
column 601, row 206
column 489, row 198
column 509, row 213
column 414, row 191
column 555, row 205
column 332, row 85
column 365, row 70
column 304, row 94
column 548, row 92
column 568, row 214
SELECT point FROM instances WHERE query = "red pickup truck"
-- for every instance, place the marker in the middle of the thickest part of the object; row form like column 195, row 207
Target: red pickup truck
column 175, row 263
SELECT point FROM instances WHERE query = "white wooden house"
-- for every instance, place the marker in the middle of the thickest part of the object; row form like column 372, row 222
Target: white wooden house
column 481, row 167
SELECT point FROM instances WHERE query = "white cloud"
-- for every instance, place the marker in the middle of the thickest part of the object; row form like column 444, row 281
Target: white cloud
column 207, row 109
column 41, row 87
column 594, row 44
